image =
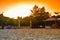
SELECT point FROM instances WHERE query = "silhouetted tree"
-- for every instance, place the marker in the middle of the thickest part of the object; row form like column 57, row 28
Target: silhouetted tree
column 39, row 14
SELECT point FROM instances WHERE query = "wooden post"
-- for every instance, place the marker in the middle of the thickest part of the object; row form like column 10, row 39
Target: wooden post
column 19, row 22
column 30, row 23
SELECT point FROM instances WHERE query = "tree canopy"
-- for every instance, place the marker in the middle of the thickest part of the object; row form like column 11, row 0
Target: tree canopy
column 37, row 15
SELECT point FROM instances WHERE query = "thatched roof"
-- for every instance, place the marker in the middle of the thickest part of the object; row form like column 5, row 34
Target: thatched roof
column 50, row 19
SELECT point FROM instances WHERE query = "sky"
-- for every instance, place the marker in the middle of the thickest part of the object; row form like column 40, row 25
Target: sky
column 8, row 6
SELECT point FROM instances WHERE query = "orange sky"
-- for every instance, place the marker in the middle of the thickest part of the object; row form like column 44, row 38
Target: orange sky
column 53, row 5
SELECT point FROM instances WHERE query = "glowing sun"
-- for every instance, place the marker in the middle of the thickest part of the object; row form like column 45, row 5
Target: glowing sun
column 18, row 10
column 22, row 10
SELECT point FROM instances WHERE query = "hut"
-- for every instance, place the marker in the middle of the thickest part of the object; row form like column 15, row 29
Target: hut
column 52, row 23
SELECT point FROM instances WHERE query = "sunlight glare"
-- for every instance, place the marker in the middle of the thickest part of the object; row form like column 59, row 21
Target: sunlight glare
column 22, row 11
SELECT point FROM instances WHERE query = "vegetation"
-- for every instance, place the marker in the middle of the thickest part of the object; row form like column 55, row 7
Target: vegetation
column 37, row 16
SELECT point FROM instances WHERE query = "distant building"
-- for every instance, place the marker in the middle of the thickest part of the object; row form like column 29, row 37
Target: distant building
column 52, row 22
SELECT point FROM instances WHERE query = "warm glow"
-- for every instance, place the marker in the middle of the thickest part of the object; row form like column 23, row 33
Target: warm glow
column 22, row 10
column 18, row 10
column 14, row 8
